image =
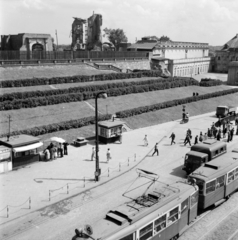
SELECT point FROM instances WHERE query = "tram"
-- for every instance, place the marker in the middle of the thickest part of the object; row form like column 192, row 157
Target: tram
column 162, row 212
column 217, row 180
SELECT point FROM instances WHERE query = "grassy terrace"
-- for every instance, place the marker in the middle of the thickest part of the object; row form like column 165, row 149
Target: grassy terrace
column 69, row 85
column 11, row 73
column 27, row 118
column 153, row 118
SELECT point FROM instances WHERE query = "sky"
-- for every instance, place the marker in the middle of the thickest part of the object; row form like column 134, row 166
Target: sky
column 207, row 21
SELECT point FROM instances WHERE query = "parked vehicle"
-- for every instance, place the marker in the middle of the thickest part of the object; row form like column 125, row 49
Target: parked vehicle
column 217, row 180
column 202, row 153
column 223, row 111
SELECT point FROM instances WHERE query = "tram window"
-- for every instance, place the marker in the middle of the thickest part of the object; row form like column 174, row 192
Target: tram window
column 231, row 177
column 184, row 205
column 194, row 199
column 210, row 186
column 173, row 215
column 160, row 223
column 129, row 237
column 146, row 232
column 220, row 182
column 236, row 173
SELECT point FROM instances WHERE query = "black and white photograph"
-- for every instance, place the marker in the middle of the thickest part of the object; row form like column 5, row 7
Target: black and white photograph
column 119, row 120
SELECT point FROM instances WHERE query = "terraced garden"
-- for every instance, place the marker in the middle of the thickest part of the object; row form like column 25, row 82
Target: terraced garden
column 38, row 116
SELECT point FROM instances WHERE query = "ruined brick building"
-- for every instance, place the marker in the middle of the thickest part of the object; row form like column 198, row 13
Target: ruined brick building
column 227, row 54
column 86, row 33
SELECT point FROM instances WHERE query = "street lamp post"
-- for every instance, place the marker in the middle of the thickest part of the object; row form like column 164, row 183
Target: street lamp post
column 98, row 170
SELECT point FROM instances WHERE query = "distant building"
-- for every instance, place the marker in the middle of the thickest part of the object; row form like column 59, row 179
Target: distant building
column 233, row 73
column 181, row 58
column 27, row 42
column 227, row 54
column 86, row 33
column 79, row 34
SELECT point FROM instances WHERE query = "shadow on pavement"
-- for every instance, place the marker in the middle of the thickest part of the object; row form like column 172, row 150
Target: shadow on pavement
column 178, row 172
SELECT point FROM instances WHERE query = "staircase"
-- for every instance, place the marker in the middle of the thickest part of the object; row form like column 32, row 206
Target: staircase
column 103, row 66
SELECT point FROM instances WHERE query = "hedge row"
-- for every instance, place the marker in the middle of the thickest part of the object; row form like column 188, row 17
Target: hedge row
column 76, row 79
column 78, row 123
column 88, row 88
column 73, row 97
column 122, row 114
column 208, row 82
column 172, row 103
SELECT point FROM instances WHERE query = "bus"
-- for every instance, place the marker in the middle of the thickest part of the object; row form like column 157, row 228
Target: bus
column 161, row 211
column 202, row 153
column 217, row 180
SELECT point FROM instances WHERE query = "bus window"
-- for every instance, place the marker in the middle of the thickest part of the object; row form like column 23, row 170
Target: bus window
column 146, row 232
column 216, row 152
column 194, row 199
column 220, row 182
column 129, row 237
column 230, row 177
column 236, row 173
column 184, row 205
column 160, row 223
column 173, row 215
column 210, row 186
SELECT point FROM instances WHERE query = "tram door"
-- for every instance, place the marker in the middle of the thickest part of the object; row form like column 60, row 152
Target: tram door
column 184, row 214
column 193, row 207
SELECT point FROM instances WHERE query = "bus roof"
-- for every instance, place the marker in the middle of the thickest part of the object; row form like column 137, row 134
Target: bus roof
column 197, row 154
column 133, row 213
column 217, row 167
column 210, row 145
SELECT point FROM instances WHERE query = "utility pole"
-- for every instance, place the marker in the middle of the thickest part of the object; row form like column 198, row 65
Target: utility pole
column 56, row 38
column 9, row 127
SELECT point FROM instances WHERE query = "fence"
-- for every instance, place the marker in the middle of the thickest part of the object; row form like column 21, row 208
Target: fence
column 69, row 55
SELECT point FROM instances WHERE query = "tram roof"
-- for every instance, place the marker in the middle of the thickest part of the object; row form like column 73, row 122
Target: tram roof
column 217, row 167
column 210, row 144
column 136, row 212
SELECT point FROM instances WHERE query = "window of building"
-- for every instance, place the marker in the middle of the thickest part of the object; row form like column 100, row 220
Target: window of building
column 210, row 186
column 160, row 223
column 146, row 232
column 103, row 132
column 220, row 182
column 218, row 58
column 173, row 215
column 230, row 177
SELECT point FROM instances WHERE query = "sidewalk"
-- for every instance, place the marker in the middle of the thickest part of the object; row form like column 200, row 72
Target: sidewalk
column 49, row 221
column 41, row 184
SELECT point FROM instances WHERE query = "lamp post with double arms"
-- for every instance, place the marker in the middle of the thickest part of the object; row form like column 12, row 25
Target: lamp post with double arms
column 97, row 170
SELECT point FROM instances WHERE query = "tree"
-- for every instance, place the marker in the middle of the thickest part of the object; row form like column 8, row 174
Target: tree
column 115, row 36
column 164, row 39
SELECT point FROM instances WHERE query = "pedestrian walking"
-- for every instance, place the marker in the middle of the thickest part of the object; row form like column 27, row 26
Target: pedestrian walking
column 156, row 150
column 196, row 140
column 93, row 154
column 172, row 138
column 65, row 144
column 228, row 136
column 146, row 143
column 120, row 137
column 224, row 132
column 201, row 137
column 232, row 133
column 187, row 140
column 108, row 155
column 219, row 135
column 209, row 133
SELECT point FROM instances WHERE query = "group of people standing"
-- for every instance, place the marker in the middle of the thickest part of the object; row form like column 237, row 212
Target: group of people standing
column 53, row 151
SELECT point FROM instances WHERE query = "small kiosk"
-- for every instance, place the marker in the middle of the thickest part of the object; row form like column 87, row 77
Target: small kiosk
column 5, row 159
column 24, row 149
column 109, row 131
